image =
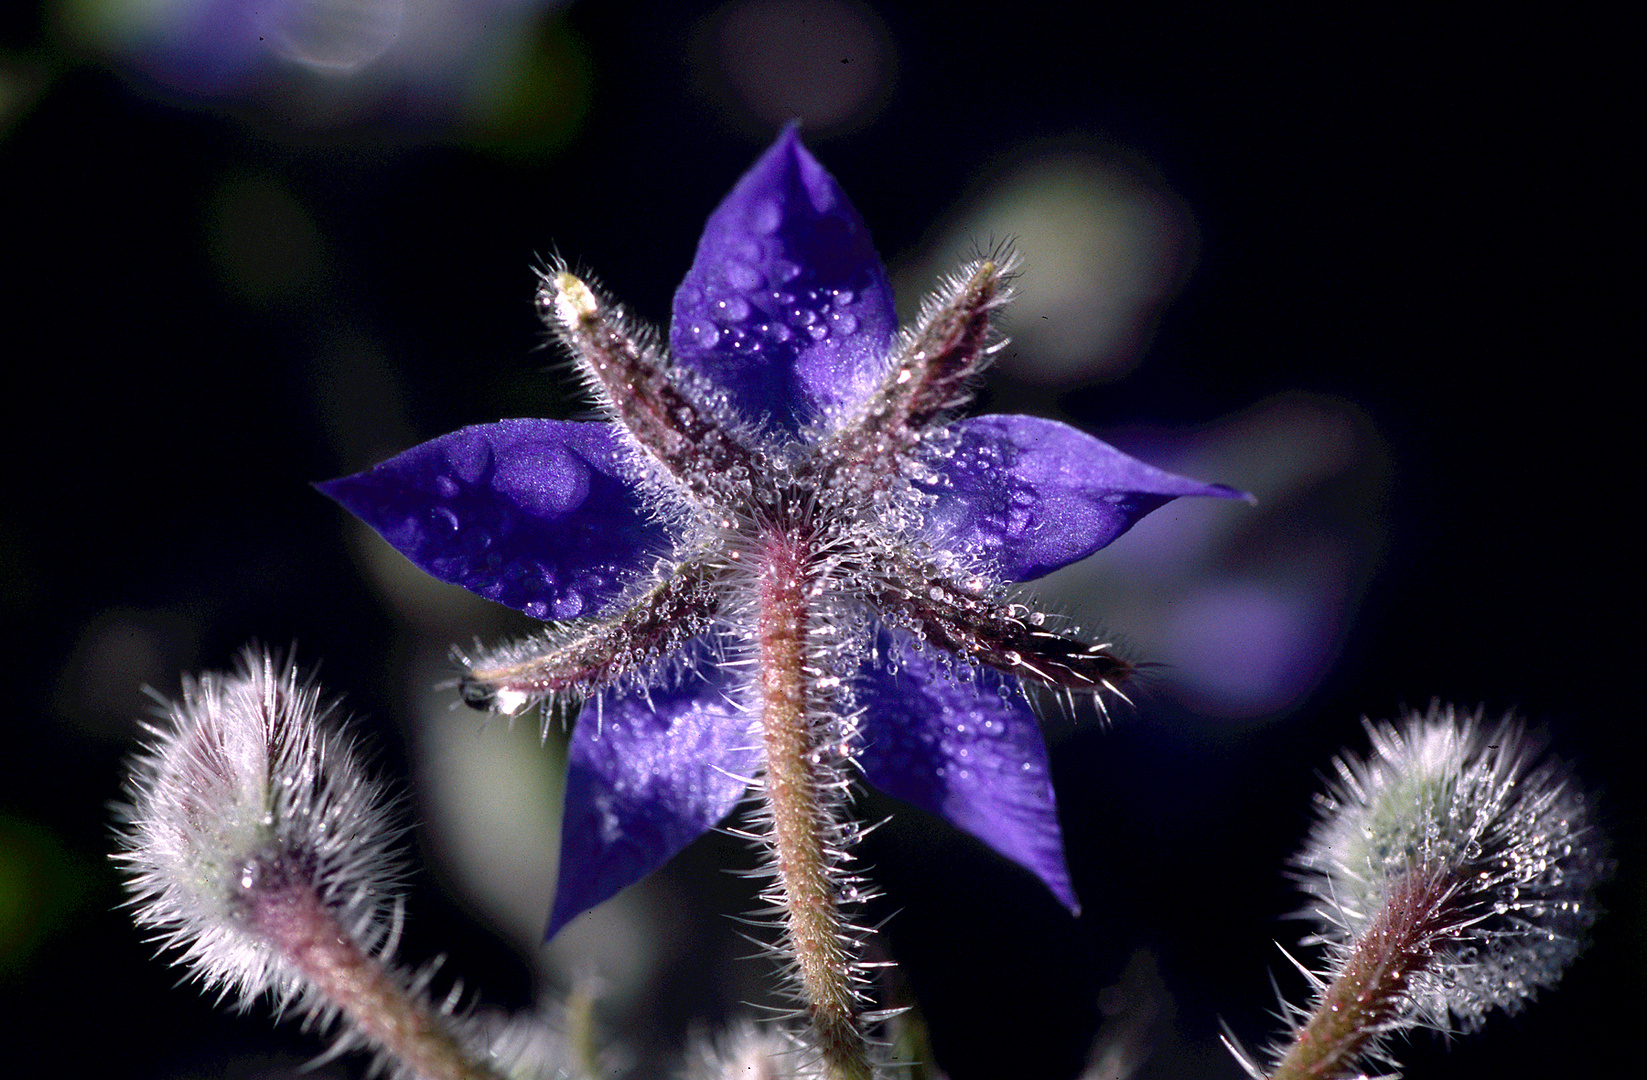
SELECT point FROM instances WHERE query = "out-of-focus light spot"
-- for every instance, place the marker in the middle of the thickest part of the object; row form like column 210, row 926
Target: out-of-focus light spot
column 44, row 888
column 491, row 796
column 266, row 246
column 1246, row 647
column 339, row 36
column 830, row 63
column 325, row 63
column 116, row 654
column 21, row 84
column 1102, row 249
column 539, row 96
column 1245, row 607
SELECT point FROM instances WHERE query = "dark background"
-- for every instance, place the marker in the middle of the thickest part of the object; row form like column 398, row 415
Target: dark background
column 1422, row 215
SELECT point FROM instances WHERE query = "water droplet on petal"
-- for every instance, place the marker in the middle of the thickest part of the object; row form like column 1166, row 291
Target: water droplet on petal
column 765, row 217
column 732, row 308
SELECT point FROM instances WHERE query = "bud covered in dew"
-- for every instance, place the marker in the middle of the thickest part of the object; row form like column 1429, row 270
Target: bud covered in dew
column 1451, row 873
column 243, row 810
column 258, row 850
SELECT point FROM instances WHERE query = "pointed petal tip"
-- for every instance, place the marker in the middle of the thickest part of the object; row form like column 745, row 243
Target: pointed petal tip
column 1224, row 491
column 533, row 514
column 786, row 306
column 963, row 751
column 788, row 142
column 1085, row 492
column 660, row 770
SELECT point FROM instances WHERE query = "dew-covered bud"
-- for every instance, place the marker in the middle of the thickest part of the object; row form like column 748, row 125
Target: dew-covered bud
column 258, row 851
column 1451, row 873
column 243, row 801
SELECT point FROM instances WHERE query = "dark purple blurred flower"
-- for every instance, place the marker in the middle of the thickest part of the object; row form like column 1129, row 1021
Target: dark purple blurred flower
column 338, row 57
column 788, row 420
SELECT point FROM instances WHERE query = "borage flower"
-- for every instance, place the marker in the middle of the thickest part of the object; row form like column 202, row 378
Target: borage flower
column 781, row 560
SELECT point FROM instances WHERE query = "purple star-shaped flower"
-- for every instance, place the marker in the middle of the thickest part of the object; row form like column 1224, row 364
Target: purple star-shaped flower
column 781, row 519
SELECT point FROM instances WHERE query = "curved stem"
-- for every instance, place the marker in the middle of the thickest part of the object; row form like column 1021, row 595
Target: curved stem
column 371, row 997
column 1356, row 1009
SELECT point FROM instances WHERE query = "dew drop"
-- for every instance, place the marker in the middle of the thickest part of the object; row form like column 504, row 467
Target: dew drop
column 765, row 218
column 707, row 336
column 847, row 323
column 732, row 308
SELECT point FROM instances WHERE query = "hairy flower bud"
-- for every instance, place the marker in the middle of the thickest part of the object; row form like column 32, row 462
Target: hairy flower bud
column 243, row 801
column 259, row 851
column 1451, row 874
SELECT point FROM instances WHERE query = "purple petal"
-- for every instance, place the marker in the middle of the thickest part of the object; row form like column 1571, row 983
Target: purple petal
column 534, row 514
column 786, row 306
column 646, row 777
column 958, row 748
column 1030, row 495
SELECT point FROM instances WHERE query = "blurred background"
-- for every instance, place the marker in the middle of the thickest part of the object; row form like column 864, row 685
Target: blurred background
column 1366, row 265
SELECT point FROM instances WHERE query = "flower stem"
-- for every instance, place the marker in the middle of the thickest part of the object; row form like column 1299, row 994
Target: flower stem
column 1370, row 989
column 372, row 999
column 803, row 796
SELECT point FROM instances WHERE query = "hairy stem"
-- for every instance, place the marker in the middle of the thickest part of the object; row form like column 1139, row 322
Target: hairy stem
column 803, row 799
column 374, row 1000
column 1370, row 992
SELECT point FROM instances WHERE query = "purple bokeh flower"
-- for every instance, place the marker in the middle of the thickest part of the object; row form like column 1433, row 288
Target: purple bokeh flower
column 789, row 422
column 327, row 61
